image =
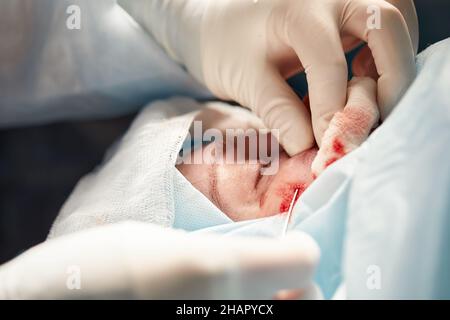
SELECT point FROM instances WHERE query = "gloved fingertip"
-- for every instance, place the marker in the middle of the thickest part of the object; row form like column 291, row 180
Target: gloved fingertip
column 366, row 84
column 294, row 143
column 321, row 125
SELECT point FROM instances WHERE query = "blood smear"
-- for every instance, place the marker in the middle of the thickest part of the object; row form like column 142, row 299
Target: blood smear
column 338, row 147
column 287, row 193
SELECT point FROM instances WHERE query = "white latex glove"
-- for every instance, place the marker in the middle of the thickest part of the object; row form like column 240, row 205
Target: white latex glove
column 243, row 50
column 143, row 261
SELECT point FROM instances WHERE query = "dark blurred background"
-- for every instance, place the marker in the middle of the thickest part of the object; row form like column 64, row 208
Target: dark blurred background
column 39, row 166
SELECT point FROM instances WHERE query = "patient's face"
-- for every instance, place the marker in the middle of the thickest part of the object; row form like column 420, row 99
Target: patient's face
column 241, row 191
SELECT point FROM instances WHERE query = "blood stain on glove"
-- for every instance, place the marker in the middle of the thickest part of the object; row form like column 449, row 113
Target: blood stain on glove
column 338, row 150
column 338, row 147
column 347, row 131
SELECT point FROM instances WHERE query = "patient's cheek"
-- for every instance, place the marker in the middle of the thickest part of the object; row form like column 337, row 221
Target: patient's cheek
column 292, row 181
column 347, row 131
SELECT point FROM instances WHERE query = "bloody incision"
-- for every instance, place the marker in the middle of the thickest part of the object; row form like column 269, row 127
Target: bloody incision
column 287, row 193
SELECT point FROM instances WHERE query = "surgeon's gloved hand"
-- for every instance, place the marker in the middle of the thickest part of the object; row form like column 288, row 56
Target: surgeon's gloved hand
column 143, row 261
column 244, row 50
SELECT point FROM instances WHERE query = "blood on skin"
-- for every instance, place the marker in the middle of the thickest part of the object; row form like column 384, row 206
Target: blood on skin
column 287, row 193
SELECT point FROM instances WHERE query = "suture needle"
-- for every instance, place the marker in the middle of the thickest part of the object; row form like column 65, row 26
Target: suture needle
column 288, row 218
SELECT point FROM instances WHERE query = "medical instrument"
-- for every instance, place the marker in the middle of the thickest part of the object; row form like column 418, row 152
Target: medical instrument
column 289, row 214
